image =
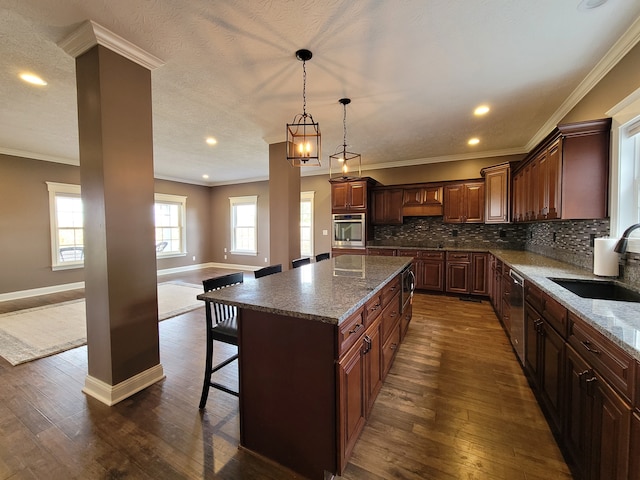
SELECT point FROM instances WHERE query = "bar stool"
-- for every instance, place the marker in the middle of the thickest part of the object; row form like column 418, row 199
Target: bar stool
column 270, row 270
column 298, row 262
column 222, row 326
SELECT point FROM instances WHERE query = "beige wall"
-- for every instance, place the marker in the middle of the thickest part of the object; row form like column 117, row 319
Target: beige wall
column 619, row 83
column 25, row 247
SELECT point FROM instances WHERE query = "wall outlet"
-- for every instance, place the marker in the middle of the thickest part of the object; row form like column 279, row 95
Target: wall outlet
column 266, row 260
column 325, row 232
column 554, row 236
column 194, row 258
column 503, row 233
column 225, row 257
column 225, row 251
column 454, row 233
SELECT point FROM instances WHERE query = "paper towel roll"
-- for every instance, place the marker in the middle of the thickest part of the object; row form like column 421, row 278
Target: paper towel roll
column 605, row 260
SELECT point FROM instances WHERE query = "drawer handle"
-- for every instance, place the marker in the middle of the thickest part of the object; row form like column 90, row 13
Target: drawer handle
column 367, row 344
column 587, row 345
column 393, row 346
column 356, row 328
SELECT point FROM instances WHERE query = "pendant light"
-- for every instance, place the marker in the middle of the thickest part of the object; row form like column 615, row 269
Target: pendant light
column 342, row 161
column 303, row 135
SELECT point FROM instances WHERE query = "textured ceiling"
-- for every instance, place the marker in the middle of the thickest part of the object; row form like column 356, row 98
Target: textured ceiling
column 414, row 69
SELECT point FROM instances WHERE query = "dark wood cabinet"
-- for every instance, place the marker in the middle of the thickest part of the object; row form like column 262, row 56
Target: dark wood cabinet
column 545, row 364
column 566, row 175
column 382, row 252
column 479, row 271
column 458, row 267
column 387, row 206
column 350, row 195
column 598, row 423
column 634, row 447
column 466, row 272
column 464, row 202
column 430, row 271
column 422, row 200
column 497, row 190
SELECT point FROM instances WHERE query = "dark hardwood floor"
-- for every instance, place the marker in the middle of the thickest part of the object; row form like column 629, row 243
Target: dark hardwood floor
column 455, row 405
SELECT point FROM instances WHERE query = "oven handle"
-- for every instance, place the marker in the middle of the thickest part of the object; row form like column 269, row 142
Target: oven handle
column 517, row 279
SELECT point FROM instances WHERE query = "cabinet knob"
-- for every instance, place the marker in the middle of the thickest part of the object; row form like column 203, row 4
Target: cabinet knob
column 587, row 345
column 356, row 328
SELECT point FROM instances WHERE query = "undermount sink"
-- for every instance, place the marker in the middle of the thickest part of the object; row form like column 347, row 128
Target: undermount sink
column 596, row 289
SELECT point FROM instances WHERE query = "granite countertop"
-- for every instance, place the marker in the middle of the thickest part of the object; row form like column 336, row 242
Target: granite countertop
column 617, row 320
column 328, row 291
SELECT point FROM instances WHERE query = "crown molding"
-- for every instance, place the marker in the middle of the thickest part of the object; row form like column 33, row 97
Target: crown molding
column 38, row 156
column 90, row 34
column 628, row 40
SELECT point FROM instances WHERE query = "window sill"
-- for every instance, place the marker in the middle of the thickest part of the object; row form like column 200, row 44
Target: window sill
column 171, row 255
column 248, row 254
column 72, row 266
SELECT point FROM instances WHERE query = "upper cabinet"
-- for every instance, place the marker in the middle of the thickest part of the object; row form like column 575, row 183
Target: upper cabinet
column 387, row 206
column 497, row 188
column 464, row 202
column 350, row 195
column 422, row 200
column 566, row 176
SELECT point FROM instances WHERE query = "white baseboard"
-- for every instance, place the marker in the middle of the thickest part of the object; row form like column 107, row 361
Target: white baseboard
column 112, row 394
column 64, row 287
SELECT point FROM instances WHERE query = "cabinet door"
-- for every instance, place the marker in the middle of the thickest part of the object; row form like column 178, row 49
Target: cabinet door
column 339, row 196
column 453, row 197
column 497, row 195
column 554, row 173
column 533, row 190
column 611, row 435
column 373, row 363
column 479, row 274
column 457, row 277
column 351, row 374
column 413, row 196
column 430, row 275
column 543, row 186
column 579, row 412
column 532, row 323
column 387, row 207
column 358, row 195
column 473, row 211
column 552, row 374
column 634, row 447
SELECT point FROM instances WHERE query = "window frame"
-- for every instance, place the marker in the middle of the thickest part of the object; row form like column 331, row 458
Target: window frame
column 62, row 189
column 233, row 203
column 308, row 197
column 181, row 201
column 625, row 169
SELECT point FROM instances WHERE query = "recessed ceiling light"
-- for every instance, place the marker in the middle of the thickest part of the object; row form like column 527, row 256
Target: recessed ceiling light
column 32, row 79
column 481, row 110
column 590, row 4
column 211, row 141
column 473, row 141
column 205, row 176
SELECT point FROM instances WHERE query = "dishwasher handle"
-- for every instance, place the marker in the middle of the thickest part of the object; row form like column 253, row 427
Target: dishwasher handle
column 517, row 279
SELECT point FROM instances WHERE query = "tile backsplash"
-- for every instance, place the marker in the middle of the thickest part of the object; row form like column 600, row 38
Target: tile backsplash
column 569, row 241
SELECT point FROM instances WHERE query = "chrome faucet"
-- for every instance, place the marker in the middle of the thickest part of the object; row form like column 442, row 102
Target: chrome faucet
column 621, row 246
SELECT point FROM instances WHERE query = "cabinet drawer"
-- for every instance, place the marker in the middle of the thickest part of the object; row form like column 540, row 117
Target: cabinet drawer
column 390, row 317
column 533, row 295
column 556, row 314
column 350, row 331
column 431, row 255
column 407, row 253
column 373, row 308
column 389, row 349
column 458, row 257
column 384, row 252
column 615, row 365
column 389, row 290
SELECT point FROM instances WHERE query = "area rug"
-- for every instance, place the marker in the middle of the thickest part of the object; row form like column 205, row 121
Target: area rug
column 33, row 333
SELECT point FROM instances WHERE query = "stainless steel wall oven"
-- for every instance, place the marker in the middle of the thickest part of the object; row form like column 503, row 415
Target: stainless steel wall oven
column 348, row 230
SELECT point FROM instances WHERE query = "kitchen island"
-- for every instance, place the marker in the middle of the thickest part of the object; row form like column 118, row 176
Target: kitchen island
column 314, row 345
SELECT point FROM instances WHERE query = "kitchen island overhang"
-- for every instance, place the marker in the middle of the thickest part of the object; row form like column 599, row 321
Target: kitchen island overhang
column 293, row 384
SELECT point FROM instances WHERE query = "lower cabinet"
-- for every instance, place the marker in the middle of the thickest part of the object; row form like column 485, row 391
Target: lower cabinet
column 430, row 271
column 598, row 423
column 634, row 446
column 369, row 355
column 466, row 272
column 544, row 362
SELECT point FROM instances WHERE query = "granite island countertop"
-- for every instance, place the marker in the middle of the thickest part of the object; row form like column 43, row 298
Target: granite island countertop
column 328, row 291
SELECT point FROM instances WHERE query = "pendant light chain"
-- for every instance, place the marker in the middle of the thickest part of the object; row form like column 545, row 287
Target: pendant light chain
column 304, row 89
column 344, row 129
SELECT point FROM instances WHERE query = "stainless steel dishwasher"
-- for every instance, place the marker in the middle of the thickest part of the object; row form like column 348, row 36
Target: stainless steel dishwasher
column 516, row 304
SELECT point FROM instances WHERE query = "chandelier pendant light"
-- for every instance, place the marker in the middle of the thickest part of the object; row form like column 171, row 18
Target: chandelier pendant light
column 303, row 134
column 342, row 162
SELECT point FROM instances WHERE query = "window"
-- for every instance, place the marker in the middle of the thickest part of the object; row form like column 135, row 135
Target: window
column 244, row 219
column 170, row 225
column 67, row 225
column 306, row 224
column 66, row 220
column 625, row 169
